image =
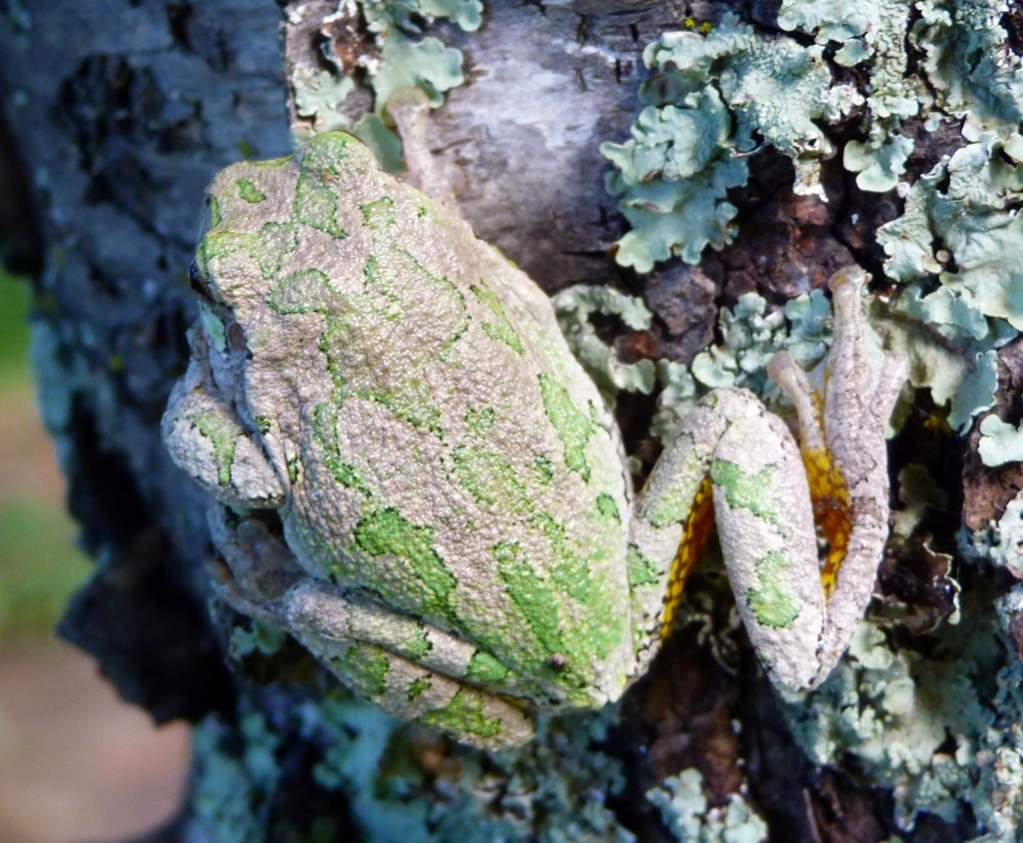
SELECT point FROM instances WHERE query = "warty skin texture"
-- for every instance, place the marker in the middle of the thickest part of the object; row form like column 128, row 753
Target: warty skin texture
column 461, row 543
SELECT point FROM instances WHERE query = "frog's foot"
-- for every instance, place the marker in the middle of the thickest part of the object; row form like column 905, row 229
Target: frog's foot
column 410, row 109
column 842, row 439
column 412, row 670
column 205, row 439
column 256, row 570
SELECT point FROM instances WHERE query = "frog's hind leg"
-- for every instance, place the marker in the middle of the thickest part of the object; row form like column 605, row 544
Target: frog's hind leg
column 734, row 465
column 737, row 466
column 412, row 670
column 412, row 692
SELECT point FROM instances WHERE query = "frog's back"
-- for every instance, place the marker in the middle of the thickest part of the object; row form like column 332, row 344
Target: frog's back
column 445, row 451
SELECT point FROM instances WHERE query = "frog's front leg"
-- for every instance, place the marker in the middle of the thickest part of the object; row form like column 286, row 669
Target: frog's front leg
column 736, row 466
column 205, row 438
column 412, row 670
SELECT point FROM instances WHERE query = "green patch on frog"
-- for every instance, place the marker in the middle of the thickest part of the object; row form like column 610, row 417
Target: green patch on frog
column 500, row 329
column 573, row 427
column 772, row 602
column 465, row 714
column 386, row 533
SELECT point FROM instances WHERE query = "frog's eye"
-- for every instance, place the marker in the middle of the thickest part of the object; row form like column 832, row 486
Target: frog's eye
column 198, row 282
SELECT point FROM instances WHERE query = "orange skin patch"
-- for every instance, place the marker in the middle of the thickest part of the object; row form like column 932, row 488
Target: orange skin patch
column 832, row 513
column 698, row 526
column 832, row 510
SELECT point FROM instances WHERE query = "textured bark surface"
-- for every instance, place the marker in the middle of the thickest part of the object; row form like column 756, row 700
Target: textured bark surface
column 118, row 113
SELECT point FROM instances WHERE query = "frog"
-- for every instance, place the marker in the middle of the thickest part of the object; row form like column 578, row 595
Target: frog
column 410, row 474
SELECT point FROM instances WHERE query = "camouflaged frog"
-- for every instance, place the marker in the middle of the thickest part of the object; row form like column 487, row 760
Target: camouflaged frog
column 459, row 540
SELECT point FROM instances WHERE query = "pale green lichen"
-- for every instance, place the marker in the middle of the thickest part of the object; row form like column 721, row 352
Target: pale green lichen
column 751, row 334
column 404, row 59
column 530, row 795
column 709, row 96
column 970, row 65
column 226, row 784
column 255, row 637
column 687, row 814
column 961, row 224
column 872, row 33
column 575, row 308
column 999, row 442
column 1000, row 542
column 709, row 100
column 942, row 725
column 425, row 64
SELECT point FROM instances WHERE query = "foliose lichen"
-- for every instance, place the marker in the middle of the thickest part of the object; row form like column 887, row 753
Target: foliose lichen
column 554, row 789
column 708, row 101
column 941, row 724
column 404, row 58
column 689, row 818
column 926, row 726
column 956, row 249
column 751, row 333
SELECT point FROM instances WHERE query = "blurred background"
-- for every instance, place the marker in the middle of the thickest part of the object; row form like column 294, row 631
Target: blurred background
column 76, row 764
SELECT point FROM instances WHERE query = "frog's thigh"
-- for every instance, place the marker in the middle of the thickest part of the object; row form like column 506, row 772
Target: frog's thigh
column 673, row 516
column 764, row 518
column 733, row 464
column 410, row 669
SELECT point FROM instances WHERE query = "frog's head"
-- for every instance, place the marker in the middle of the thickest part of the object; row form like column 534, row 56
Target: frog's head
column 254, row 271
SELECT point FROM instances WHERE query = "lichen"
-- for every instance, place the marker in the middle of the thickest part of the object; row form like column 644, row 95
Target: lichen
column 404, row 58
column 1000, row 542
column 228, row 783
column 709, row 99
column 751, row 334
column 961, row 225
column 939, row 725
column 558, row 782
column 575, row 307
column 999, row 442
column 688, row 817
column 872, row 33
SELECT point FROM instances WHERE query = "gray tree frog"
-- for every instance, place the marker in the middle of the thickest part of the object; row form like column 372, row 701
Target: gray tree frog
column 458, row 538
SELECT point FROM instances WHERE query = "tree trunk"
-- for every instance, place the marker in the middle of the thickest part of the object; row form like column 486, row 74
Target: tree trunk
column 120, row 112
